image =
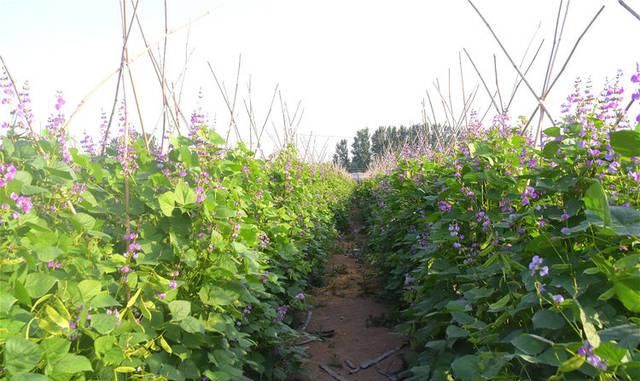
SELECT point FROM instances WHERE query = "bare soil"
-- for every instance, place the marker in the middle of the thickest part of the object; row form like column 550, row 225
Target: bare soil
column 348, row 307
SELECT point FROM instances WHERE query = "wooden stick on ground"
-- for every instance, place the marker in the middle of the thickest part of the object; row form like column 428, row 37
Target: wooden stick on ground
column 307, row 320
column 335, row 375
column 382, row 357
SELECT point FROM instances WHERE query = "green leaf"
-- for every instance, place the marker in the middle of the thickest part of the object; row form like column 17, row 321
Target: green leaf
column 595, row 200
column 184, row 195
column 48, row 253
column 30, row 377
column 180, row 309
column 38, row 284
column 192, row 325
column 104, row 300
column 628, row 291
column 89, row 288
column 6, row 302
column 552, row 131
column 529, row 345
column 82, row 221
column 167, row 203
column 21, row 355
column 625, row 221
column 455, row 332
column 612, row 353
column 547, row 319
column 103, row 323
column 215, row 138
column 626, row 142
column 467, row 368
column 71, row 364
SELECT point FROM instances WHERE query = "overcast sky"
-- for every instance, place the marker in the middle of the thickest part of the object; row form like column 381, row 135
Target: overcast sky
column 353, row 64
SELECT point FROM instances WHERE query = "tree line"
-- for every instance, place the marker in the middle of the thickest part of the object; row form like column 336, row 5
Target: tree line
column 367, row 147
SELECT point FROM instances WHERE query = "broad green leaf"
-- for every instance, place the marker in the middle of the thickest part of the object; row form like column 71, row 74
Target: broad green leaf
column 30, row 377
column 467, row 368
column 71, row 364
column 180, row 309
column 89, row 288
column 626, row 142
column 38, row 284
column 6, row 302
column 167, row 203
column 104, row 300
column 83, row 221
column 192, row 325
column 547, row 319
column 21, row 355
column 612, row 353
column 628, row 291
column 529, row 345
column 103, row 323
column 48, row 253
column 595, row 200
column 625, row 221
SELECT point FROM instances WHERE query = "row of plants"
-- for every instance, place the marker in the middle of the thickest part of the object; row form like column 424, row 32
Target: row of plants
column 137, row 263
column 518, row 261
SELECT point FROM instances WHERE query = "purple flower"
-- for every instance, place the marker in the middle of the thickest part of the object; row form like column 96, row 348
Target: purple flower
column 300, row 296
column 535, row 266
column 173, row 284
column 281, row 312
column 564, row 216
column 544, row 271
column 162, row 296
column 564, row 231
column 125, row 269
column 7, row 173
column 444, row 206
column 592, row 358
column 558, row 298
column 54, row 265
column 73, row 324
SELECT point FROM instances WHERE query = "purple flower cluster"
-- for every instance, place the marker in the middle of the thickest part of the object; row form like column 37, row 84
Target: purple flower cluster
column 127, row 157
column 87, row 144
column 22, row 202
column 481, row 217
column 299, row 296
column 264, row 240
column 635, row 79
column 536, row 266
column 528, row 195
column 592, row 358
column 7, row 173
column 505, row 206
column 444, row 206
column 56, row 128
column 133, row 247
column 281, row 312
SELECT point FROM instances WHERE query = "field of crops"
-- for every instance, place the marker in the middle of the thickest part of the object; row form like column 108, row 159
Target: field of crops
column 164, row 244
column 516, row 262
column 136, row 264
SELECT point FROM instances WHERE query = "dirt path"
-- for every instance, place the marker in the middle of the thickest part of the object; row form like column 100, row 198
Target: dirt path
column 348, row 307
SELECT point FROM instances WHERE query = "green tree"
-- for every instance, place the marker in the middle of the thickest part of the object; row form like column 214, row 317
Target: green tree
column 360, row 151
column 341, row 157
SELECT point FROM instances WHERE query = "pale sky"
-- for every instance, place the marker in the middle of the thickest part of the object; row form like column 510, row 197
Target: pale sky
column 352, row 63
